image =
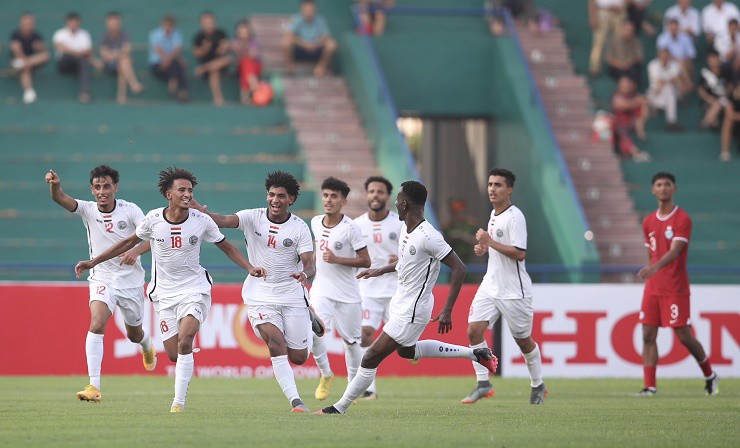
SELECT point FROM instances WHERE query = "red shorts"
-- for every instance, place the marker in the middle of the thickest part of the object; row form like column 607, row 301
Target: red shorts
column 665, row 310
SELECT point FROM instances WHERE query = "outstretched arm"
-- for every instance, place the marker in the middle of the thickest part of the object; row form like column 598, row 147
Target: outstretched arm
column 129, row 258
column 222, row 221
column 113, row 251
column 362, row 260
column 59, row 196
column 239, row 259
column 370, row 273
column 459, row 270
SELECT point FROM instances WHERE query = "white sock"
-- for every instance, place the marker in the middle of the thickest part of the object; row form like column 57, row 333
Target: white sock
column 146, row 341
column 481, row 372
column 353, row 357
column 320, row 356
column 359, row 384
column 437, row 349
column 534, row 364
column 183, row 374
column 373, row 387
column 94, row 352
column 284, row 376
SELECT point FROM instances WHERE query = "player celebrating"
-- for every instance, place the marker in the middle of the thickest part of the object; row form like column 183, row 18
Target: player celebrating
column 109, row 220
column 335, row 293
column 180, row 288
column 506, row 289
column 419, row 255
column 380, row 228
column 280, row 242
column 665, row 302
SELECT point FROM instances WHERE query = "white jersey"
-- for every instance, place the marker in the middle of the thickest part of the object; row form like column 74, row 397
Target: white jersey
column 176, row 269
column 335, row 281
column 419, row 255
column 276, row 247
column 505, row 277
column 103, row 231
column 381, row 238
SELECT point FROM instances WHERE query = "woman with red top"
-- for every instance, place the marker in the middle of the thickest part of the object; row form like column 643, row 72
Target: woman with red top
column 630, row 112
column 247, row 52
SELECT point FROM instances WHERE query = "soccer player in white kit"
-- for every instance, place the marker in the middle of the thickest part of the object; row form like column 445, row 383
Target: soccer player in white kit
column 279, row 242
column 381, row 229
column 113, row 284
column 335, row 292
column 419, row 255
column 180, row 287
column 506, row 289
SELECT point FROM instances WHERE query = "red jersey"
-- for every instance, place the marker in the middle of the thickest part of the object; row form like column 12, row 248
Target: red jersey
column 659, row 232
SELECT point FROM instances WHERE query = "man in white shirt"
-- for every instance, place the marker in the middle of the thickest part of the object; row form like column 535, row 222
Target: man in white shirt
column 664, row 74
column 604, row 18
column 113, row 284
column 687, row 17
column 280, row 244
column 335, row 292
column 420, row 253
column 74, row 52
column 381, row 229
column 715, row 18
column 506, row 289
column 180, row 287
column 728, row 44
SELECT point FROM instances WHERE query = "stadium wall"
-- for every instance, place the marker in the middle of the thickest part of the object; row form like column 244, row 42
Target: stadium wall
column 583, row 331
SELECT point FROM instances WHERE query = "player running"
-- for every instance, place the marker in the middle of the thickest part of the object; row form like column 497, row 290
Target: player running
column 279, row 242
column 665, row 302
column 112, row 284
column 335, row 292
column 419, row 255
column 380, row 228
column 180, row 288
column 506, row 289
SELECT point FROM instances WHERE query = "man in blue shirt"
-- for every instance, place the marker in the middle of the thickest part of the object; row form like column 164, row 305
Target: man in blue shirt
column 165, row 57
column 681, row 47
column 309, row 40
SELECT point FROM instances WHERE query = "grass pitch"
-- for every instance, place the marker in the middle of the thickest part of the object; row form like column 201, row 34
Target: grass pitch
column 43, row 411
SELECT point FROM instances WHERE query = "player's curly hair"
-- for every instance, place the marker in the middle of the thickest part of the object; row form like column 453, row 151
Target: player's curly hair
column 285, row 180
column 415, row 191
column 168, row 176
column 334, row 184
column 380, row 179
column 102, row 171
column 506, row 174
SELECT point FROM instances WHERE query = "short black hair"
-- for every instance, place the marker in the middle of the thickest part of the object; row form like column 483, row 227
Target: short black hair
column 102, row 171
column 72, row 15
column 380, row 179
column 334, row 184
column 284, row 180
column 664, row 175
column 415, row 191
column 731, row 21
column 168, row 176
column 506, row 174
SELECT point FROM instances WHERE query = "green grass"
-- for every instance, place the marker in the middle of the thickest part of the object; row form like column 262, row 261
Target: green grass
column 42, row 411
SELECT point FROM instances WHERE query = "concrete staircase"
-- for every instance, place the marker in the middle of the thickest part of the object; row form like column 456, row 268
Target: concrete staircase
column 594, row 167
column 324, row 116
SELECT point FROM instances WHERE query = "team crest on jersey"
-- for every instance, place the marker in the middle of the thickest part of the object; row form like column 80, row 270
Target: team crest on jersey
column 393, row 236
column 193, row 240
column 122, row 225
column 338, row 245
column 499, row 233
column 669, row 233
column 287, row 242
column 412, row 250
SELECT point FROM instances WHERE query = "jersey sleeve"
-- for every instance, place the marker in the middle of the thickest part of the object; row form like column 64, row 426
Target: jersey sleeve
column 646, row 232
column 136, row 215
column 436, row 246
column 82, row 209
column 355, row 235
column 305, row 242
column 144, row 229
column 212, row 234
column 518, row 231
column 682, row 230
column 245, row 220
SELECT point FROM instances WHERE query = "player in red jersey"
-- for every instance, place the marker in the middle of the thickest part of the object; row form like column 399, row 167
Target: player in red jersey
column 665, row 302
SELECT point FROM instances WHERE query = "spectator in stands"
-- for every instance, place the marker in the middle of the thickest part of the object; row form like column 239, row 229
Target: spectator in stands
column 687, row 16
column 165, row 57
column 636, row 12
column 630, row 111
column 664, row 74
column 28, row 53
column 715, row 17
column 74, row 53
column 732, row 111
column 713, row 90
column 246, row 50
column 604, row 18
column 372, row 16
column 115, row 50
column 728, row 44
column 624, row 55
column 681, row 47
column 309, row 40
column 211, row 48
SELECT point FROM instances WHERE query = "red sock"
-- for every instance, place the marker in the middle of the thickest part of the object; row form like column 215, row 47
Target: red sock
column 706, row 368
column 648, row 372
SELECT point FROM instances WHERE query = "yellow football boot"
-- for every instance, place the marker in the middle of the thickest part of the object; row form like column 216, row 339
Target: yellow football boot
column 90, row 393
column 176, row 409
column 150, row 359
column 322, row 391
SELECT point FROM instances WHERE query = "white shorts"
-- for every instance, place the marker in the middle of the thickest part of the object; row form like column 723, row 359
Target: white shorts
column 344, row 317
column 196, row 305
column 130, row 301
column 292, row 321
column 375, row 311
column 518, row 313
column 405, row 333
